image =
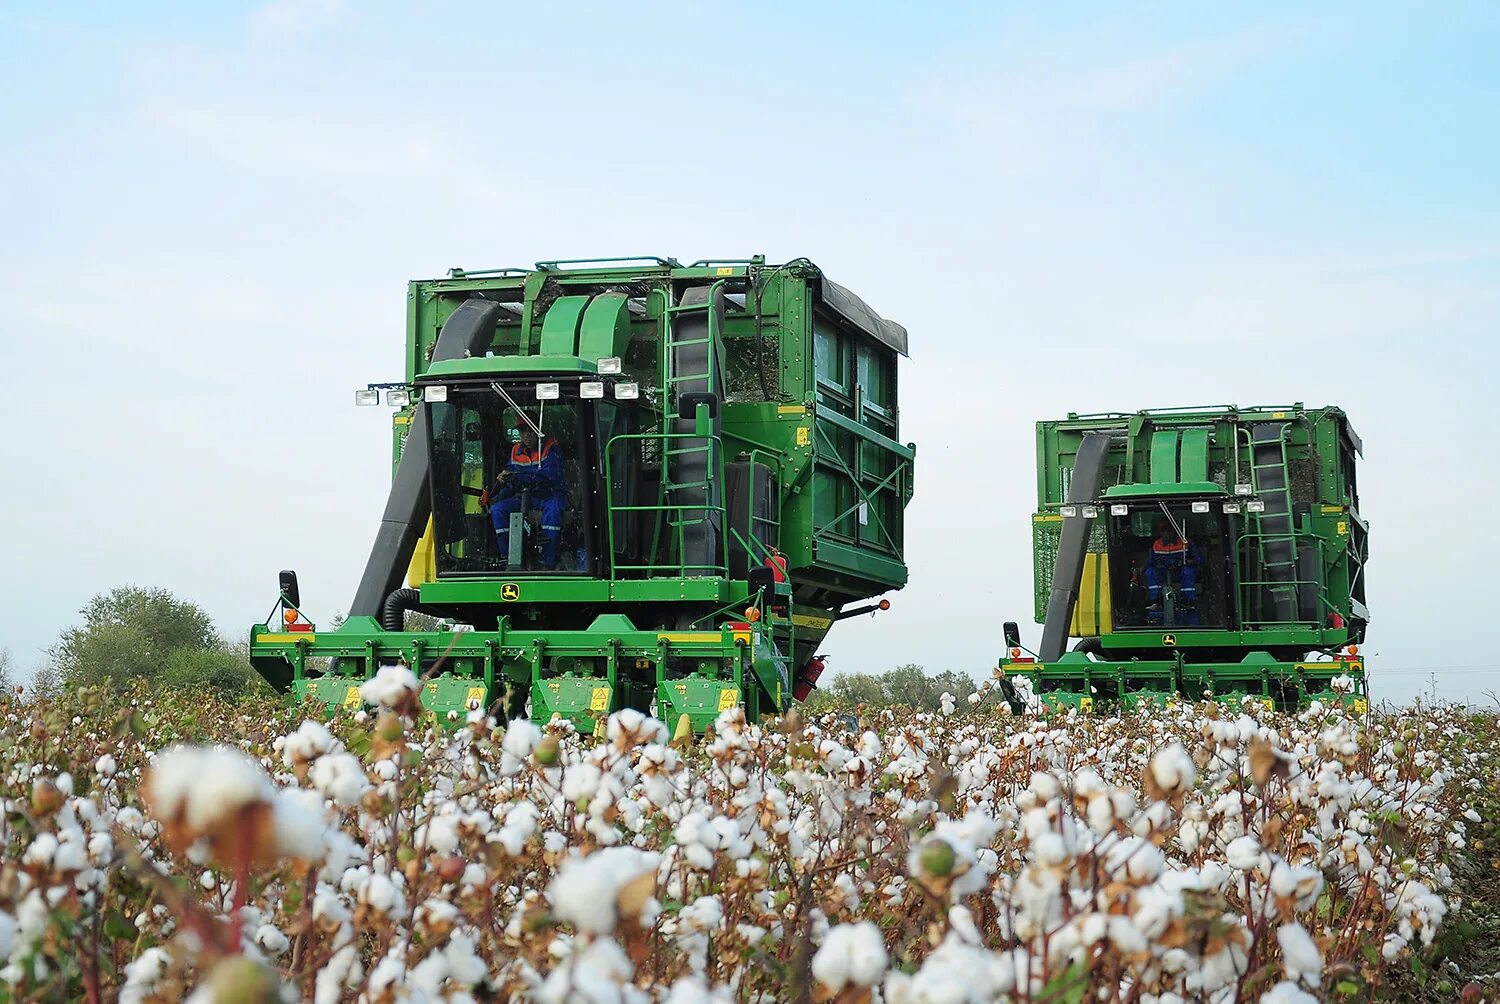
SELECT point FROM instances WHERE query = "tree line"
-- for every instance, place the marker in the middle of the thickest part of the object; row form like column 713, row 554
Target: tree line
column 135, row 633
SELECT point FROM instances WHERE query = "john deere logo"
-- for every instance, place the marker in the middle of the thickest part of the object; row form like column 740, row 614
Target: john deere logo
column 1169, row 639
column 510, row 592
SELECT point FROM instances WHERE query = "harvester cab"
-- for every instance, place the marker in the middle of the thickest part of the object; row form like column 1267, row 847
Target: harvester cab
column 623, row 483
column 1193, row 553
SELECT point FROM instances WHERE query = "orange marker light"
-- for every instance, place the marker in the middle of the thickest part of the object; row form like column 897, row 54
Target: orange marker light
column 885, row 604
column 752, row 614
column 1015, row 653
column 290, row 616
column 1354, row 650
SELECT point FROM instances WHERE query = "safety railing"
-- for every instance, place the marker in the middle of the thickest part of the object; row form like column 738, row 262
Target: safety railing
column 1258, row 590
column 747, row 536
column 675, row 516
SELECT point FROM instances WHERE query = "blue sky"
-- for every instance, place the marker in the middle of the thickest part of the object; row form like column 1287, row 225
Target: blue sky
column 210, row 212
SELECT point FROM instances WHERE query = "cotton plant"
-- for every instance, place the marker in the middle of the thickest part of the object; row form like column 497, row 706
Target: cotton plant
column 1199, row 852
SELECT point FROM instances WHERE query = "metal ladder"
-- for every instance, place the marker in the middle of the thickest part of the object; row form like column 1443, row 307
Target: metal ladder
column 1275, row 538
column 690, row 364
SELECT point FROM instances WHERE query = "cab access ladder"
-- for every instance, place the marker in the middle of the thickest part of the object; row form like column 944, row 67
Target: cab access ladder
column 691, row 365
column 1275, row 537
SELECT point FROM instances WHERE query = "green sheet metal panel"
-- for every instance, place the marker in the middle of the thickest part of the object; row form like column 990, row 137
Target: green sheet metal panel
column 1192, row 458
column 1163, row 457
column 560, row 326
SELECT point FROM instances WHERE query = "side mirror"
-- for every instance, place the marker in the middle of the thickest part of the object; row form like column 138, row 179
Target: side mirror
column 762, row 578
column 287, row 581
column 1012, row 634
column 688, row 405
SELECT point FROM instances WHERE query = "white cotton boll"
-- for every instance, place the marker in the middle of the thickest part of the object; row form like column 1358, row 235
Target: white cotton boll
column 1135, row 858
column 341, row 971
column 949, row 703
column 300, row 822
column 1243, row 853
column 271, row 939
column 629, row 727
column 40, row 851
column 850, row 954
column 205, row 784
column 442, row 834
column 71, row 855
column 521, row 737
column 1172, row 769
column 1045, row 786
column 1049, row 849
column 586, row 891
column 391, row 684
column 7, row 934
column 1286, row 992
column 1300, row 953
column 310, row 741
column 341, row 777
column 105, row 766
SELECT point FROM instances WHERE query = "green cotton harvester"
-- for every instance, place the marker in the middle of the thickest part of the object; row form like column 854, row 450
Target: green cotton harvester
column 1195, row 552
column 621, row 483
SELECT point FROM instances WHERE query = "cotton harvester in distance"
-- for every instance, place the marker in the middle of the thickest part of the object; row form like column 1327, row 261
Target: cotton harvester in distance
column 621, row 483
column 1196, row 552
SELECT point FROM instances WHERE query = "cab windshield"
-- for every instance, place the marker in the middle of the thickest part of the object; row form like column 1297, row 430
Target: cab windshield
column 509, row 481
column 1166, row 566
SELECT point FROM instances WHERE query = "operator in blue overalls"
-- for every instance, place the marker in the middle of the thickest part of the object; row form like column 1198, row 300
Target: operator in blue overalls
column 1172, row 561
column 534, row 476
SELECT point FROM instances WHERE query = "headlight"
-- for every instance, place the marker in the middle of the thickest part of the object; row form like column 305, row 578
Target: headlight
column 1231, row 507
column 398, row 397
column 591, row 389
column 1068, row 511
column 610, row 366
column 546, row 392
column 627, row 391
column 436, row 393
column 1090, row 512
column 1255, row 505
column 364, row 398
column 1244, row 489
column 1119, row 510
column 1200, row 507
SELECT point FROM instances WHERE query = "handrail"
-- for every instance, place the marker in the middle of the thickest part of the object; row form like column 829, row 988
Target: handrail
column 1318, row 584
column 548, row 266
column 666, row 507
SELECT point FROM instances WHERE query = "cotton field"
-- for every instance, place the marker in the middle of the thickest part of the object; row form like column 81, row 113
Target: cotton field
column 177, row 849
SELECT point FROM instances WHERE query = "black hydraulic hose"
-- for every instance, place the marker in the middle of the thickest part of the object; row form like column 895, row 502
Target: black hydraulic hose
column 393, row 611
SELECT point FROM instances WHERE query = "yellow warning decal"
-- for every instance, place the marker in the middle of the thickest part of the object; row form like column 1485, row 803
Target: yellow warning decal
column 690, row 636
column 1332, row 509
column 723, row 271
column 804, row 435
column 1343, row 528
column 792, row 409
column 1085, row 704
column 351, row 697
column 599, row 699
column 474, row 700
column 728, row 698
column 309, row 636
column 812, row 621
column 1278, row 414
column 1046, row 517
column 403, row 420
